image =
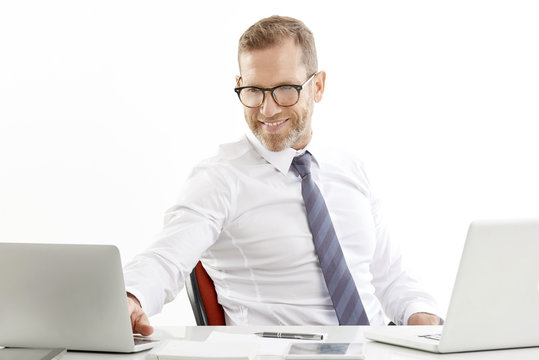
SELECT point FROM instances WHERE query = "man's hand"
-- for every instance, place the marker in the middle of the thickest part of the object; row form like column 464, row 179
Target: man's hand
column 424, row 319
column 139, row 320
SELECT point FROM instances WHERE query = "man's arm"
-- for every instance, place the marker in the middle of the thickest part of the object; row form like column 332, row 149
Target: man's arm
column 156, row 275
column 402, row 297
column 139, row 320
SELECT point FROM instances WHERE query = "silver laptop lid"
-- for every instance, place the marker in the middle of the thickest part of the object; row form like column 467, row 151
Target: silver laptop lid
column 495, row 300
column 70, row 296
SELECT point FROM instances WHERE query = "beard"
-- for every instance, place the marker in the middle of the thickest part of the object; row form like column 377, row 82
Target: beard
column 296, row 128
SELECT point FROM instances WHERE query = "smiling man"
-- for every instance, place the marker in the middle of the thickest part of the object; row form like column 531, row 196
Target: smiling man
column 284, row 120
column 289, row 231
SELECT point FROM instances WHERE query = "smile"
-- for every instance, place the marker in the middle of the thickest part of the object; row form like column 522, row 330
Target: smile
column 276, row 123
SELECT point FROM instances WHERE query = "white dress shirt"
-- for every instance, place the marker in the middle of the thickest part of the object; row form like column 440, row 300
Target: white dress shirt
column 242, row 214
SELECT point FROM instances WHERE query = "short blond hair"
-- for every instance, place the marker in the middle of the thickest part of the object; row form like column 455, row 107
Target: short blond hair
column 274, row 30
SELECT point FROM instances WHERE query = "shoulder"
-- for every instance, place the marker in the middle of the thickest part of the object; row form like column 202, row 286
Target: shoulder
column 340, row 164
column 229, row 159
column 340, row 158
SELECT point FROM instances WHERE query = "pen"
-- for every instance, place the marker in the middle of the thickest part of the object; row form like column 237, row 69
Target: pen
column 295, row 336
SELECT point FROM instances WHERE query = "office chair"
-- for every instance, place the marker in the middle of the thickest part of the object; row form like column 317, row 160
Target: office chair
column 203, row 298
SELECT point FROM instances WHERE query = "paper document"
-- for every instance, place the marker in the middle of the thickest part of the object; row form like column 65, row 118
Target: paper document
column 267, row 346
column 184, row 350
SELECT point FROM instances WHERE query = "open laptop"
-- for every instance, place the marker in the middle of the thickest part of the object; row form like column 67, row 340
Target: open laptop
column 65, row 296
column 495, row 300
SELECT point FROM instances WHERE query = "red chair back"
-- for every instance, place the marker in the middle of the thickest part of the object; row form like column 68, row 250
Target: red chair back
column 203, row 297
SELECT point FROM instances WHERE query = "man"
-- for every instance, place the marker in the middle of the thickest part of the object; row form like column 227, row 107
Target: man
column 246, row 213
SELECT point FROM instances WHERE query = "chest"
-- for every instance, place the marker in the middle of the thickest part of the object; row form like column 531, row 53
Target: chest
column 268, row 225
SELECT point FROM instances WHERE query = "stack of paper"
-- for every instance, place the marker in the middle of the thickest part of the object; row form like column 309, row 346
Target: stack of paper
column 192, row 350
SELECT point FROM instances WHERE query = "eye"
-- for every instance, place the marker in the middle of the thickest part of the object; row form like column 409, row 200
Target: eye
column 251, row 90
column 286, row 90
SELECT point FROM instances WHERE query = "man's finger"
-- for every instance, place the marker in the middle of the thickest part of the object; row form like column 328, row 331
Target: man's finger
column 139, row 320
column 142, row 326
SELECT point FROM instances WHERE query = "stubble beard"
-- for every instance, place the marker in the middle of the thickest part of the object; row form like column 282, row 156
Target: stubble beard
column 278, row 141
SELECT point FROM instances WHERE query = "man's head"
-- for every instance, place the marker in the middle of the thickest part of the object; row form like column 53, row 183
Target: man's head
column 273, row 52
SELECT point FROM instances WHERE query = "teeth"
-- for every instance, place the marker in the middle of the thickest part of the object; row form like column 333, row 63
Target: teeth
column 274, row 123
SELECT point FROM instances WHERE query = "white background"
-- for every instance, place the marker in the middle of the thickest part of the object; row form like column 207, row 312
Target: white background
column 106, row 105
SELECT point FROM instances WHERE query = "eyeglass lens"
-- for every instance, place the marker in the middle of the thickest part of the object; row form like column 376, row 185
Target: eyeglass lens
column 283, row 95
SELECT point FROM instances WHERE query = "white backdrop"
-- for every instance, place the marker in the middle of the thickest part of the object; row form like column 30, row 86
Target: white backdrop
column 106, row 105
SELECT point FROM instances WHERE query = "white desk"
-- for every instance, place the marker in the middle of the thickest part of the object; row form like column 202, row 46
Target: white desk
column 374, row 351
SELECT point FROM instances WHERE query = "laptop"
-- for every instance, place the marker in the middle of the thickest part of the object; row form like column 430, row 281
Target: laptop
column 495, row 299
column 65, row 296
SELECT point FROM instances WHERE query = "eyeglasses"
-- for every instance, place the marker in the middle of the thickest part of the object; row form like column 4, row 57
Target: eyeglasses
column 283, row 95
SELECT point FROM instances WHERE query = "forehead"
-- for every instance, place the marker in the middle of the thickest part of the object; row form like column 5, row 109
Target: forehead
column 279, row 64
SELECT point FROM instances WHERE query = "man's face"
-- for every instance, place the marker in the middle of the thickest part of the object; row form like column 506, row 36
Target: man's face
column 279, row 127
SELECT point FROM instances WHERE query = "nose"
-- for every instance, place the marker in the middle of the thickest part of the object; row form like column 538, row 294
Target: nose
column 269, row 107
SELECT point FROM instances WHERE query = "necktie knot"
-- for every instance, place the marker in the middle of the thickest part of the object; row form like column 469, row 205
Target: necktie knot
column 302, row 164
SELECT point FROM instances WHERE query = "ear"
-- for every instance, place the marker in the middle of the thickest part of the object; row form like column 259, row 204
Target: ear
column 319, row 83
column 238, row 79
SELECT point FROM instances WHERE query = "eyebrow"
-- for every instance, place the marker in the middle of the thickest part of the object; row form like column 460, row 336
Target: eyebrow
column 276, row 84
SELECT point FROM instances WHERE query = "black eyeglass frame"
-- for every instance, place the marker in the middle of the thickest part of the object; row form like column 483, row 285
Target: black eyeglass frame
column 264, row 90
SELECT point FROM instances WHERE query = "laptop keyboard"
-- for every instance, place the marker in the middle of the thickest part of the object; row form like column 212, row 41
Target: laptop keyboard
column 435, row 337
column 141, row 340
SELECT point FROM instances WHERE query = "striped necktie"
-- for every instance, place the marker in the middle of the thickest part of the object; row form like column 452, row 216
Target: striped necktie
column 339, row 281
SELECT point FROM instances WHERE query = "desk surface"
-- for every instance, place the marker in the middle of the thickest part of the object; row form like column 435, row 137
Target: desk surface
column 374, row 350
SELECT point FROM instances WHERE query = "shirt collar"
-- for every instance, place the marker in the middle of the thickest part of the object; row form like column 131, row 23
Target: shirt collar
column 281, row 160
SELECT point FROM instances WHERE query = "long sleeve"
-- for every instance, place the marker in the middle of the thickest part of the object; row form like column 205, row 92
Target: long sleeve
column 399, row 293
column 191, row 226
